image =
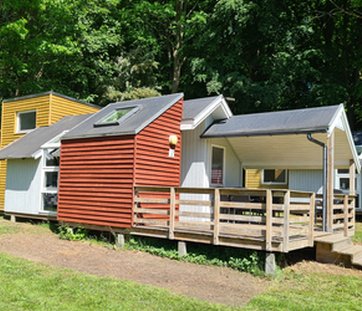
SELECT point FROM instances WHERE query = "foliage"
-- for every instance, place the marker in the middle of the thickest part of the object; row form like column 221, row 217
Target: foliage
column 72, row 234
column 242, row 260
column 32, row 286
column 268, row 55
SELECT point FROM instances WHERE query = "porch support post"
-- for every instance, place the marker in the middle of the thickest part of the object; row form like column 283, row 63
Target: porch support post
column 352, row 190
column 330, row 181
column 216, row 215
column 352, row 177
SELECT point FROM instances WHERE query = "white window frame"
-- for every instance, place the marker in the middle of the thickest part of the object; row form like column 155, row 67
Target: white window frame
column 223, row 165
column 274, row 182
column 339, row 176
column 43, row 189
column 18, row 114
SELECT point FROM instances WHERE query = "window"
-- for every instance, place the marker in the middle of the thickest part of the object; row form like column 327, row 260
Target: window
column 217, row 166
column 274, row 177
column 117, row 116
column 49, row 191
column 26, row 121
column 342, row 183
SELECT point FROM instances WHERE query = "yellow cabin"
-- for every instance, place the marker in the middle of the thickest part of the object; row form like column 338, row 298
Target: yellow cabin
column 22, row 114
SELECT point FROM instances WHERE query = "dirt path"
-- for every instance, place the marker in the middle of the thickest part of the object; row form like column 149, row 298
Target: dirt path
column 213, row 284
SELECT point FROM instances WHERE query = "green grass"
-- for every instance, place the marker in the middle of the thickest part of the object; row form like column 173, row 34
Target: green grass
column 307, row 291
column 357, row 238
column 32, row 286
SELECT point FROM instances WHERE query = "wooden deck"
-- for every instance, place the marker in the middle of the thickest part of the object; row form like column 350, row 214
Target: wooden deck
column 271, row 220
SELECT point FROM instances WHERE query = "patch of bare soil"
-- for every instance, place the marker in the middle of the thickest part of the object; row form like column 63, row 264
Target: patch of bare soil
column 208, row 283
column 317, row 267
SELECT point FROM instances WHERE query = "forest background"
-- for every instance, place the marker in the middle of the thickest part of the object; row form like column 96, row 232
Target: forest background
column 265, row 54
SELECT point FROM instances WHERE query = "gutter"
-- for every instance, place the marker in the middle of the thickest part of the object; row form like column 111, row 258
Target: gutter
column 324, row 208
column 269, row 133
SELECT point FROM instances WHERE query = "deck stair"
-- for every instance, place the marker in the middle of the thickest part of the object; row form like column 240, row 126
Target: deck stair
column 338, row 250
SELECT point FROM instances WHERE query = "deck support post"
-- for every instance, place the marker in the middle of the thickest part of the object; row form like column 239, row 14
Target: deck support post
column 330, row 181
column 12, row 218
column 270, row 266
column 120, row 240
column 182, row 249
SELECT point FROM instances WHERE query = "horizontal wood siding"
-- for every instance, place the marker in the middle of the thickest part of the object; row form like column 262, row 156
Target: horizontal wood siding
column 8, row 127
column 153, row 166
column 60, row 107
column 96, row 181
column 253, row 181
column 11, row 108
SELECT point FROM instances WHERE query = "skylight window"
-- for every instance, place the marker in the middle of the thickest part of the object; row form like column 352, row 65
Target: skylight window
column 117, row 116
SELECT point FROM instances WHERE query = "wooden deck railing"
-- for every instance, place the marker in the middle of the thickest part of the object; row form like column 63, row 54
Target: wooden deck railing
column 272, row 220
column 342, row 215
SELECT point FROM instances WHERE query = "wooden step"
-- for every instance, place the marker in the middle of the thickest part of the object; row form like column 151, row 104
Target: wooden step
column 358, row 263
column 354, row 251
column 335, row 241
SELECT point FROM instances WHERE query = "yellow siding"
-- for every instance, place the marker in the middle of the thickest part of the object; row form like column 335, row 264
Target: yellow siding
column 61, row 107
column 10, row 109
column 49, row 107
column 253, row 181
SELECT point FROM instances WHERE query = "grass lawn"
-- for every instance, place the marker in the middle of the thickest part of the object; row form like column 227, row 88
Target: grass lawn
column 310, row 291
column 26, row 285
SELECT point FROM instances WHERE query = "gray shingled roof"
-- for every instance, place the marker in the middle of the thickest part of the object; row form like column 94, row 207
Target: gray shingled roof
column 149, row 110
column 193, row 107
column 310, row 120
column 30, row 143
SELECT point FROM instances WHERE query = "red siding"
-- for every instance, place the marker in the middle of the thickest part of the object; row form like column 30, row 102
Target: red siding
column 97, row 175
column 153, row 166
column 96, row 181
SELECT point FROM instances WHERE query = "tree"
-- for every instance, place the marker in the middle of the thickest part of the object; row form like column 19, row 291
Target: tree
column 172, row 25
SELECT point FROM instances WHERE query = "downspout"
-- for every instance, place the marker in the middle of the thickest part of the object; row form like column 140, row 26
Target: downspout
column 324, row 208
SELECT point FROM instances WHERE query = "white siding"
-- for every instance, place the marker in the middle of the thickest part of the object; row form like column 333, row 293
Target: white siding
column 196, row 166
column 194, row 158
column 306, row 180
column 22, row 192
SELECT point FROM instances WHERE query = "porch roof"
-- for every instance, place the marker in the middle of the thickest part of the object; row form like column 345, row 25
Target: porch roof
column 278, row 139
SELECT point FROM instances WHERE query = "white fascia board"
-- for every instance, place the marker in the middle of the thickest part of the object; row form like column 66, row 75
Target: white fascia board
column 37, row 154
column 341, row 119
column 336, row 120
column 218, row 102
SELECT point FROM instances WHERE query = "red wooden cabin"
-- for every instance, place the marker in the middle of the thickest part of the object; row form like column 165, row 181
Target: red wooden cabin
column 123, row 145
